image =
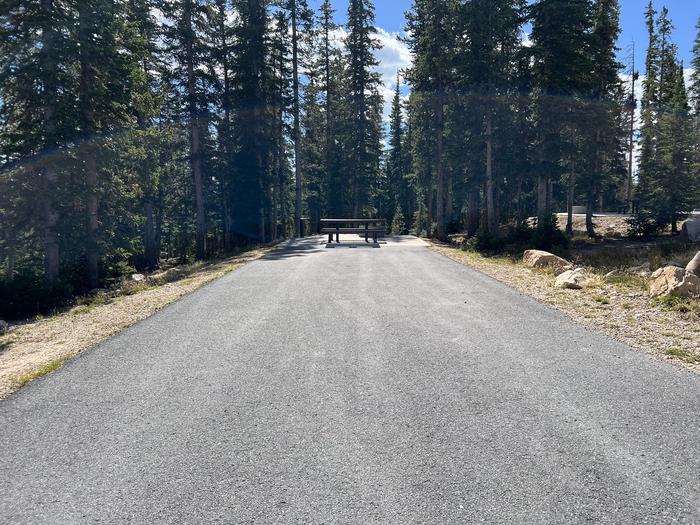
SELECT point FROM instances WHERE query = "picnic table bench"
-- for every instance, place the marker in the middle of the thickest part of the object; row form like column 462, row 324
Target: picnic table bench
column 366, row 227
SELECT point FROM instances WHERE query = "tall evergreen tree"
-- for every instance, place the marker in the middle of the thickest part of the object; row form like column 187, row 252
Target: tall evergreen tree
column 430, row 39
column 251, row 110
column 186, row 48
column 488, row 62
column 561, row 36
column 604, row 130
column 667, row 187
column 38, row 120
column 364, row 103
column 331, row 62
column 395, row 162
column 694, row 89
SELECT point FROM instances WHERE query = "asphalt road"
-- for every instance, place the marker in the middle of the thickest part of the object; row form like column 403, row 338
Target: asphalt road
column 369, row 385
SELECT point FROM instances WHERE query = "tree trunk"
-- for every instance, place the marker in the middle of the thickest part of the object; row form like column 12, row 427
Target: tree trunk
column 519, row 213
column 51, row 246
column 491, row 213
column 429, row 212
column 331, row 205
column 11, row 255
column 590, row 206
column 570, row 202
column 449, row 198
column 89, row 149
column 297, row 134
column 49, row 71
column 151, row 250
column 440, row 169
column 195, row 138
column 226, row 132
column 92, row 256
column 543, row 213
column 473, row 212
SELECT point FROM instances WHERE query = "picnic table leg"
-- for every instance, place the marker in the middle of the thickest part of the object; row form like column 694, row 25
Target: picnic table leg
column 330, row 238
column 337, row 234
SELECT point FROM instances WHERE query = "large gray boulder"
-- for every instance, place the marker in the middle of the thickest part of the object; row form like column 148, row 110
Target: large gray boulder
column 541, row 259
column 674, row 281
column 694, row 266
column 691, row 229
column 664, row 280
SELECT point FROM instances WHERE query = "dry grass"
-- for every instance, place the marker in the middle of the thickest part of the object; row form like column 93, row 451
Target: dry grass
column 617, row 305
column 42, row 346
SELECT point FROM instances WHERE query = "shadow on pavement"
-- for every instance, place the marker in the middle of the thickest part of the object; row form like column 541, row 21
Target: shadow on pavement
column 296, row 248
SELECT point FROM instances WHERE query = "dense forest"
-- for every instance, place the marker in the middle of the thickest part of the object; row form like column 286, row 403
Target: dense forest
column 135, row 133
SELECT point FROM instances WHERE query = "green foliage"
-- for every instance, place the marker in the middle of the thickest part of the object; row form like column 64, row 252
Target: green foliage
column 398, row 225
column 644, row 225
column 669, row 187
column 520, row 238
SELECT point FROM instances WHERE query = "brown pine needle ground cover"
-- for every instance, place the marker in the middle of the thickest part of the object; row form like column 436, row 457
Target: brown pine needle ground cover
column 618, row 306
column 42, row 346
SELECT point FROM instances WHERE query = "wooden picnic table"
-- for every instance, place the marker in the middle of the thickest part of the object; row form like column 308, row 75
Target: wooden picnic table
column 360, row 226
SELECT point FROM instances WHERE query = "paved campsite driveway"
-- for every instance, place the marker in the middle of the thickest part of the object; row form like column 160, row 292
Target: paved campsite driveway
column 367, row 385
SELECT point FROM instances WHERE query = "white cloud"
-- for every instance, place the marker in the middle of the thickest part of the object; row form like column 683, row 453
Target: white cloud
column 393, row 56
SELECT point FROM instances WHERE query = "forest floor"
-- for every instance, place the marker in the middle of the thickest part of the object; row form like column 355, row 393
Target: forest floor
column 38, row 347
column 616, row 303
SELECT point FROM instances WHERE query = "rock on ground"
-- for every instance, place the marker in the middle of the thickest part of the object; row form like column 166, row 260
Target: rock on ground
column 691, row 229
column 542, row 259
column 571, row 279
column 674, row 281
column 694, row 266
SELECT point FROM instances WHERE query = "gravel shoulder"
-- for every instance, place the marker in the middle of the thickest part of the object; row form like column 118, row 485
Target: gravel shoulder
column 619, row 308
column 39, row 347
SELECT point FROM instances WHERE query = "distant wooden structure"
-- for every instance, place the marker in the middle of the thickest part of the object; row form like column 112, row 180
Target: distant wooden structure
column 367, row 227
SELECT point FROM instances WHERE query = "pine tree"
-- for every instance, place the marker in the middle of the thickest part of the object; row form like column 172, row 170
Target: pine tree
column 332, row 66
column 694, row 90
column 605, row 131
column 364, row 103
column 36, row 95
column 222, row 42
column 398, row 197
column 430, row 41
column 280, row 102
column 561, row 36
column 251, row 110
column 667, row 184
column 147, row 141
column 488, row 64
column 186, row 48
column 694, row 95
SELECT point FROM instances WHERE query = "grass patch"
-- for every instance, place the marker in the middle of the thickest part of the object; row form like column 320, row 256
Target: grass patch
column 5, row 344
column 681, row 305
column 627, row 282
column 44, row 370
column 615, row 257
column 82, row 309
column 684, row 355
column 601, row 299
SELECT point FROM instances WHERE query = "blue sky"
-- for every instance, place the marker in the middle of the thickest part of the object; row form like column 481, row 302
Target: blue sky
column 684, row 13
